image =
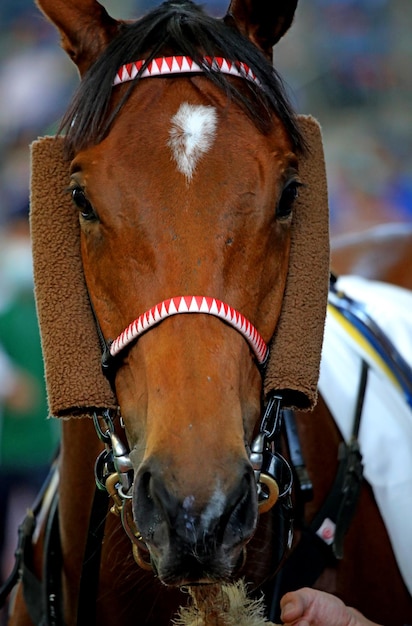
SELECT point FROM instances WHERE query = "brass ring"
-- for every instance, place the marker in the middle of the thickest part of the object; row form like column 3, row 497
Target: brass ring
column 146, row 565
column 272, row 493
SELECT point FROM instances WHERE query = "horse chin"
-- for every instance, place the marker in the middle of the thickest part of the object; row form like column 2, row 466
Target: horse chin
column 180, row 562
column 192, row 570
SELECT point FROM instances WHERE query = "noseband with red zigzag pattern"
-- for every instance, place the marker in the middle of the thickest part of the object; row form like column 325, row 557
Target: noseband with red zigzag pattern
column 192, row 304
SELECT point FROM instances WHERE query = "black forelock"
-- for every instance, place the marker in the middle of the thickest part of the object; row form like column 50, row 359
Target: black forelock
column 176, row 27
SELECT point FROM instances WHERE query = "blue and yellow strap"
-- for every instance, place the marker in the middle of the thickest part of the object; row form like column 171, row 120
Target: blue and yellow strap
column 370, row 337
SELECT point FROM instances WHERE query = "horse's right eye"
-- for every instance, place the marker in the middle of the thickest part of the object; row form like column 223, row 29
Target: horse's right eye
column 83, row 204
column 289, row 195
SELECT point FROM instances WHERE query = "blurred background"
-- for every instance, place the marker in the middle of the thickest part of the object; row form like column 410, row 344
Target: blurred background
column 347, row 62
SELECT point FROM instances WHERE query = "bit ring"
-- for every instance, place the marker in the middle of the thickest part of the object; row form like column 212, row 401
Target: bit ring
column 271, row 492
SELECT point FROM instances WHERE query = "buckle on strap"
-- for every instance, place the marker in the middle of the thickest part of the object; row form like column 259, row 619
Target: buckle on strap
column 273, row 474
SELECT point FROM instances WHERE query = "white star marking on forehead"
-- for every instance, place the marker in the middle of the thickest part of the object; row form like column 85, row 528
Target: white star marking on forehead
column 191, row 135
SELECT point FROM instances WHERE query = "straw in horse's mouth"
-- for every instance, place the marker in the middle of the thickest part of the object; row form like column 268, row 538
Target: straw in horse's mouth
column 221, row 605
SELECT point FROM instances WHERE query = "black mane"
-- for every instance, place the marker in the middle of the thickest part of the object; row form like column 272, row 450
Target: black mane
column 177, row 27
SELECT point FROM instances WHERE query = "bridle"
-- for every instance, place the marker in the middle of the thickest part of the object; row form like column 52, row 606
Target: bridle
column 113, row 469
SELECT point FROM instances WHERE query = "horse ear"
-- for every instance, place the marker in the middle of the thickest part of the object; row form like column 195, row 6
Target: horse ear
column 264, row 22
column 85, row 28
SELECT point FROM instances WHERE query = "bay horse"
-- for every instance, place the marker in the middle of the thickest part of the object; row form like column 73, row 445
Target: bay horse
column 183, row 168
column 187, row 183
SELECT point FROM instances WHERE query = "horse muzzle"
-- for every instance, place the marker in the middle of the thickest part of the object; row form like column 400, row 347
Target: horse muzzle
column 191, row 540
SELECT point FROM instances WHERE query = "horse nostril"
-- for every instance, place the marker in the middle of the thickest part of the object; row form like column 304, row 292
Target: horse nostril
column 146, row 482
column 145, row 486
column 153, row 502
column 144, row 503
column 242, row 511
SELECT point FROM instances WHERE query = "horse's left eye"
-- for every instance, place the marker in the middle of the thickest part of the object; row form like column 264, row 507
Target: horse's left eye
column 289, row 195
column 83, row 204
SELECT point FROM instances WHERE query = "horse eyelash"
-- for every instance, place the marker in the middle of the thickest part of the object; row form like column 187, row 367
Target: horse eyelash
column 70, row 188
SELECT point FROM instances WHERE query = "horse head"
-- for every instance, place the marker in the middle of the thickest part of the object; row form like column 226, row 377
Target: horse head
column 184, row 169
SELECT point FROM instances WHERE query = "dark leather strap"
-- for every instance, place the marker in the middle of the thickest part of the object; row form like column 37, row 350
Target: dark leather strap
column 36, row 592
column 303, row 481
column 43, row 597
column 52, row 568
column 89, row 582
column 25, row 534
column 312, row 555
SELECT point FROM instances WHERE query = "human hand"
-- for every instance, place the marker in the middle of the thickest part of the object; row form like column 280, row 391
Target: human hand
column 310, row 607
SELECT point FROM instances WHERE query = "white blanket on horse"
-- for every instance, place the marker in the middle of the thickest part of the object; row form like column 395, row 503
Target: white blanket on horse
column 386, row 427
